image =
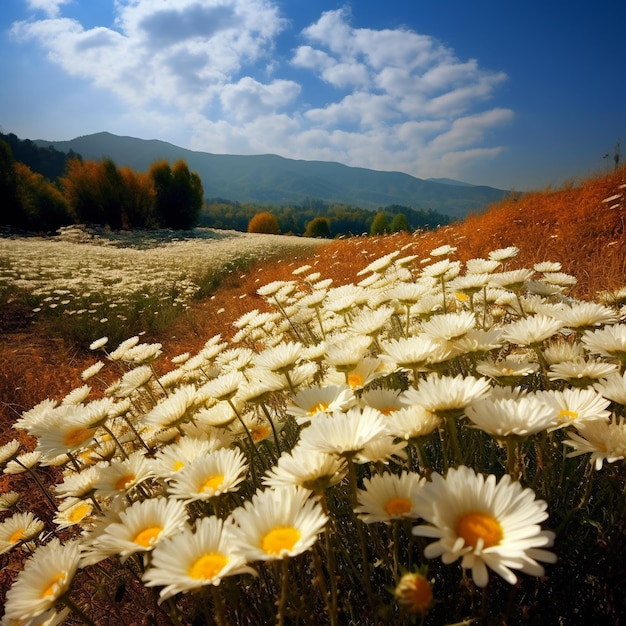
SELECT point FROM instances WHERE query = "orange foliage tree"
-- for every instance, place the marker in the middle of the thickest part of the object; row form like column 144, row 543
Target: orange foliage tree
column 264, row 222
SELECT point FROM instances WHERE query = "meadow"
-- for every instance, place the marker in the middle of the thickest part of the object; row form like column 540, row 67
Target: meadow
column 423, row 428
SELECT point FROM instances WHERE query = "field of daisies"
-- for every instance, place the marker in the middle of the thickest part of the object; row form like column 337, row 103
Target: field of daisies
column 437, row 442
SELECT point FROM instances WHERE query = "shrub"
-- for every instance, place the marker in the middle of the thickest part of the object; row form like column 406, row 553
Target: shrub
column 265, row 223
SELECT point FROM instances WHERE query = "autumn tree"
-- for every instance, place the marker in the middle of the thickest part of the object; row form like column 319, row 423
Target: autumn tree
column 264, row 222
column 318, row 227
column 8, row 184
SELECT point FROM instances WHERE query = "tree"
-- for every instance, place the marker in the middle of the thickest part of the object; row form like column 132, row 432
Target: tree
column 43, row 207
column 8, row 184
column 399, row 223
column 379, row 225
column 318, row 227
column 264, row 222
column 178, row 195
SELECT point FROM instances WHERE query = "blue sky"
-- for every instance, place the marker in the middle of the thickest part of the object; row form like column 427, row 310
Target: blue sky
column 509, row 93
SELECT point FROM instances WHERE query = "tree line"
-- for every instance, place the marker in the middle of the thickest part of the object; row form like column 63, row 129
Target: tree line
column 94, row 192
column 317, row 218
column 43, row 189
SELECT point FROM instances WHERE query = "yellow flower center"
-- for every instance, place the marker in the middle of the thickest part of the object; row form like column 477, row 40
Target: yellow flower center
column 208, row 566
column 178, row 466
column 77, row 436
column 388, row 410
column 355, row 380
column 564, row 414
column 123, row 482
column 320, row 407
column 462, row 297
column 146, row 537
column 475, row 526
column 398, row 506
column 212, row 483
column 79, row 512
column 16, row 536
column 51, row 588
column 279, row 539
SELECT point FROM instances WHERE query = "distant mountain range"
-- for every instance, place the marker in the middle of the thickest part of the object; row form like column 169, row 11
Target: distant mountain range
column 271, row 179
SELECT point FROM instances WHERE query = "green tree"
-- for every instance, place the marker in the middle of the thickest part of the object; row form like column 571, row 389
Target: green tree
column 318, row 227
column 8, row 185
column 178, row 195
column 264, row 222
column 399, row 223
column 380, row 225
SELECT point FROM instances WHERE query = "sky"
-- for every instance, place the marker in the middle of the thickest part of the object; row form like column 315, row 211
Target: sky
column 515, row 94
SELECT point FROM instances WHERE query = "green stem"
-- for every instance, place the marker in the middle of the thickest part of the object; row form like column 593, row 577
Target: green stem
column 284, row 586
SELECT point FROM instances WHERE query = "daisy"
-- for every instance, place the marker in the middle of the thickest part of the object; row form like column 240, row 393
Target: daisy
column 503, row 254
column 367, row 370
column 575, row 406
column 531, row 331
column 487, row 524
column 613, row 387
column 140, row 527
column 609, row 341
column 173, row 458
column 120, row 477
column 507, row 367
column 412, row 422
column 344, row 433
column 446, row 395
column 479, row 340
column 210, row 475
column 72, row 511
column 134, row 379
column 67, row 429
column 481, row 266
column 17, row 529
column 192, row 559
column 9, row 450
column 414, row 593
column 310, row 469
column 277, row 524
column 173, row 410
column 314, row 401
column 605, row 440
column 281, row 358
column 46, row 576
column 514, row 280
column 584, row 315
column 506, row 417
column 412, row 353
column 581, row 372
column 559, row 351
column 449, row 326
column 8, row 500
column 387, row 497
column 345, row 353
column 78, row 484
column 23, row 462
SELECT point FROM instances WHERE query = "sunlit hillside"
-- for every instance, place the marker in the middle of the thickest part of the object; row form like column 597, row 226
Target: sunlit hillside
column 471, row 378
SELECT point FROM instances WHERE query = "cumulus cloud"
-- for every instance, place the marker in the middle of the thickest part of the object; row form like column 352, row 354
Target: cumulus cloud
column 386, row 98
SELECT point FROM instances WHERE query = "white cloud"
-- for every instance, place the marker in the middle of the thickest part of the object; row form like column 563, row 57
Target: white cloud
column 386, row 99
column 50, row 7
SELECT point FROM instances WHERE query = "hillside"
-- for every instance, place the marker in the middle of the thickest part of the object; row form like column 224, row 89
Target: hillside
column 273, row 179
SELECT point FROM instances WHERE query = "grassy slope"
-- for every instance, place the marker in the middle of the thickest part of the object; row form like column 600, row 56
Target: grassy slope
column 571, row 225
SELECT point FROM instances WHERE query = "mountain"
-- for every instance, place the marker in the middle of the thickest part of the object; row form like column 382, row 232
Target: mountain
column 271, row 179
column 450, row 181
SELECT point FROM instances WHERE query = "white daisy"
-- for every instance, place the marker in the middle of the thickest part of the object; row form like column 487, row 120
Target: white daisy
column 531, row 331
column 604, row 440
column 278, row 523
column 581, row 372
column 506, row 417
column 119, row 477
column 314, row 401
column 344, row 433
column 18, row 528
column 208, row 476
column 613, row 387
column 140, row 527
column 310, row 469
column 386, row 497
column 46, row 576
column 575, row 406
column 609, row 341
column 487, row 524
column 194, row 558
